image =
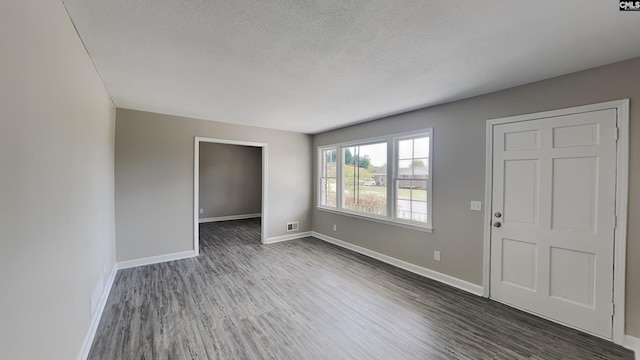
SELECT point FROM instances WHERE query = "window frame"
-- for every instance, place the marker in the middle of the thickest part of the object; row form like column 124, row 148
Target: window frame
column 341, row 187
column 429, row 181
column 320, row 177
column 392, row 155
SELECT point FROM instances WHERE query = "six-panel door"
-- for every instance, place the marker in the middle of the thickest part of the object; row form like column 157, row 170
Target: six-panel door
column 554, row 202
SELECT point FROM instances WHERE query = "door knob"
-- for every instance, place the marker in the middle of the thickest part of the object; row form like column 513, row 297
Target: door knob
column 497, row 224
column 498, row 214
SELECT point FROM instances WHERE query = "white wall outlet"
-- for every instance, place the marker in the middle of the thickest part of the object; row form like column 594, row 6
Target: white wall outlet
column 292, row 226
column 335, row 227
column 201, row 211
column 476, row 205
column 436, row 255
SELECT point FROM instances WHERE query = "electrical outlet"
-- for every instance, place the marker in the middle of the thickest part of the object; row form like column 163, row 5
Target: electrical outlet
column 335, row 228
column 476, row 205
column 201, row 211
column 436, row 255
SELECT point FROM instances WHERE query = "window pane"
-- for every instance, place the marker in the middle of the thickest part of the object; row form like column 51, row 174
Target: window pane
column 329, row 161
column 330, row 170
column 419, row 217
column 364, row 171
column 421, row 147
column 403, row 209
column 419, row 190
column 420, row 168
column 411, row 180
column 411, row 202
column 419, row 207
column 404, row 169
column 405, row 149
column 328, row 192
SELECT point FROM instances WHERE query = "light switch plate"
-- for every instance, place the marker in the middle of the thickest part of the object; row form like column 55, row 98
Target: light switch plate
column 476, row 205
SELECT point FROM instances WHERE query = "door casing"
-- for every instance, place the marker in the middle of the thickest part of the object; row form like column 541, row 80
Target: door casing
column 622, row 185
column 196, row 185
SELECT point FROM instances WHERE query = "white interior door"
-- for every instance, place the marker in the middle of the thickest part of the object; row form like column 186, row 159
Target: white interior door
column 553, row 217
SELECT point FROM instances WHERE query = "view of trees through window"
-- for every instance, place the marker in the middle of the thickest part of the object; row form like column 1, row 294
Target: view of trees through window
column 365, row 178
column 357, row 179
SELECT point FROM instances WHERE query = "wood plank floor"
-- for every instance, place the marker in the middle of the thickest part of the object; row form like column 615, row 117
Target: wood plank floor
column 306, row 299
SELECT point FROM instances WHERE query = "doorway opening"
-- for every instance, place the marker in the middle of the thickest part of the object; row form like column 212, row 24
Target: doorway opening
column 233, row 189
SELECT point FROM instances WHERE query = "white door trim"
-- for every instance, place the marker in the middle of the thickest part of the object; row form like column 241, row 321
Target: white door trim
column 196, row 185
column 622, row 188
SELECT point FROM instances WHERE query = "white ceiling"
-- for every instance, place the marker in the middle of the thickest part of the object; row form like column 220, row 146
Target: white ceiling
column 313, row 65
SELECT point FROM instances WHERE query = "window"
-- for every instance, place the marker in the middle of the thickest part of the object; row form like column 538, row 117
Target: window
column 411, row 180
column 328, row 186
column 386, row 179
column 359, row 189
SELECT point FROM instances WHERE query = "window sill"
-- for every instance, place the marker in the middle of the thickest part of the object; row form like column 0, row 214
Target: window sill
column 377, row 219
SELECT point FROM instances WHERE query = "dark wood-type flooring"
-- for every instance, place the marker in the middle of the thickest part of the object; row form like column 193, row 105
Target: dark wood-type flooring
column 306, row 299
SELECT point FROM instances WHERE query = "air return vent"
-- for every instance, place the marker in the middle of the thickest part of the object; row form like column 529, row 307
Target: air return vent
column 292, row 226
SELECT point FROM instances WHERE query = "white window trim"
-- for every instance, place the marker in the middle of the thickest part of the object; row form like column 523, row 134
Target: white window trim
column 342, row 179
column 392, row 145
column 396, row 139
column 380, row 220
column 319, row 177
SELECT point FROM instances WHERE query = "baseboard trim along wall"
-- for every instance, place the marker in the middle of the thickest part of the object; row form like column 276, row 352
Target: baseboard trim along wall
column 93, row 326
column 632, row 343
column 230, row 217
column 278, row 239
column 434, row 275
column 155, row 259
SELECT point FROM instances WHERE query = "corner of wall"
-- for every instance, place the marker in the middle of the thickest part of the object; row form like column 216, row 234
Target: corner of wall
column 93, row 327
column 632, row 343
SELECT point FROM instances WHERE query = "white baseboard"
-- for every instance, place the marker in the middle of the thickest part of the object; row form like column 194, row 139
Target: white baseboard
column 230, row 217
column 443, row 278
column 288, row 237
column 155, row 259
column 93, row 326
column 632, row 343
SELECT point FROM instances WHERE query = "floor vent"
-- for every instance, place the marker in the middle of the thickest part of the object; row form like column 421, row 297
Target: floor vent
column 292, row 226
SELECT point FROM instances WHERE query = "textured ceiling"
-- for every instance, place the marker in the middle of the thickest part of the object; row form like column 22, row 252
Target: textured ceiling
column 314, row 65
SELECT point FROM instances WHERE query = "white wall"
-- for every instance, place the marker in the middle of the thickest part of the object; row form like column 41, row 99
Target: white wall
column 56, row 182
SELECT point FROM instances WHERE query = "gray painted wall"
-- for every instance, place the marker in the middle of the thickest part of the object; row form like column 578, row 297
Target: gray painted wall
column 230, row 180
column 56, row 183
column 154, row 179
column 459, row 173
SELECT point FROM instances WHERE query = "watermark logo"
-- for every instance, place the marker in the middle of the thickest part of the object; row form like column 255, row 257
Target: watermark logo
column 629, row 5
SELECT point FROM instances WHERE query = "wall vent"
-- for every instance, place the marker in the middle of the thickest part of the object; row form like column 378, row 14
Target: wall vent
column 292, row 226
